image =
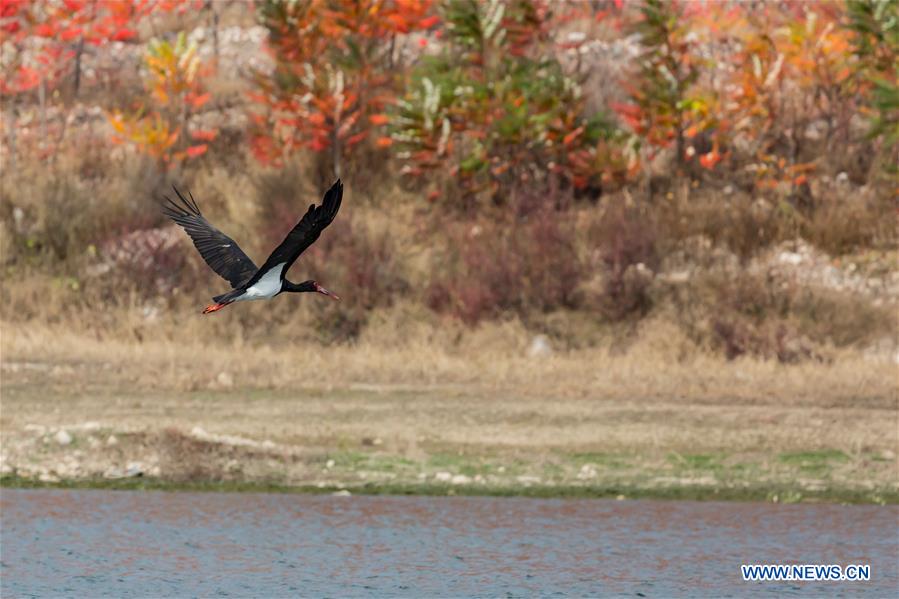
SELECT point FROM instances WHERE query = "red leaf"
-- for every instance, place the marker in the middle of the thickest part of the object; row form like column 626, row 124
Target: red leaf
column 195, row 151
column 204, row 135
column 45, row 30
column 429, row 22
column 353, row 140
column 123, row 34
column 378, row 119
column 69, row 33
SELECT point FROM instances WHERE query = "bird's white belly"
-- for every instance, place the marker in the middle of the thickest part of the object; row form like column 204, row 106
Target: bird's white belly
column 266, row 287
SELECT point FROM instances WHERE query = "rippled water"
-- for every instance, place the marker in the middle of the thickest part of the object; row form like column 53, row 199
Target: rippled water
column 120, row 543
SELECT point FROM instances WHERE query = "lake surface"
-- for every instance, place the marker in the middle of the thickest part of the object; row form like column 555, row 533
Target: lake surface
column 137, row 544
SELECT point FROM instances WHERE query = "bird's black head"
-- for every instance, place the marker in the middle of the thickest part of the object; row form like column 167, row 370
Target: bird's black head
column 307, row 287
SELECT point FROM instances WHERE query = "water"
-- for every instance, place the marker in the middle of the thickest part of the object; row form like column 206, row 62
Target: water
column 126, row 544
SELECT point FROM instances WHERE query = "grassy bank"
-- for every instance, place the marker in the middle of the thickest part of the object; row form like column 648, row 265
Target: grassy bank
column 488, row 418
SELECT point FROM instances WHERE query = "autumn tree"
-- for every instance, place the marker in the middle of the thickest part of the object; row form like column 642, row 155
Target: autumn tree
column 337, row 66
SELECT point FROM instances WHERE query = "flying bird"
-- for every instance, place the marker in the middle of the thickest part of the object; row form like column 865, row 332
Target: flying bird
column 230, row 262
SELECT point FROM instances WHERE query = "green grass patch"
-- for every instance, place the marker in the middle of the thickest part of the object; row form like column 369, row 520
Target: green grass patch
column 697, row 461
column 813, row 461
column 357, row 460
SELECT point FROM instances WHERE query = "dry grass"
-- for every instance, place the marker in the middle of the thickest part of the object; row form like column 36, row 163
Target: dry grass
column 659, row 361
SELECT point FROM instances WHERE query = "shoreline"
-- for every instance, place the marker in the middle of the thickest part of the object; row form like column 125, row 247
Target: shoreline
column 582, row 424
column 772, row 494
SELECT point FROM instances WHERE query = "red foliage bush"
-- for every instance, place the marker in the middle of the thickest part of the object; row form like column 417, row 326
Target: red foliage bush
column 509, row 264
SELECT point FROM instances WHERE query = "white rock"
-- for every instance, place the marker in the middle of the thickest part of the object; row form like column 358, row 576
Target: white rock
column 587, row 472
column 790, row 258
column 460, row 479
column 443, row 477
column 329, row 464
column 540, row 347
column 341, row 493
column 527, row 480
column 63, row 437
column 225, row 380
column 111, row 440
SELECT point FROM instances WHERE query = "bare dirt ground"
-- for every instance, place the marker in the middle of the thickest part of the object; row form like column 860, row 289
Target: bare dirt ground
column 417, row 418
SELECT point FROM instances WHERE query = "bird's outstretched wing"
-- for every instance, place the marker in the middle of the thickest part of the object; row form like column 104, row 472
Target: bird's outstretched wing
column 306, row 231
column 218, row 250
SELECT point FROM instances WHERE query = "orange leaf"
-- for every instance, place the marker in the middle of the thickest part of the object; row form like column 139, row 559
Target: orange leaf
column 384, row 142
column 570, row 137
column 197, row 101
column 710, row 159
column 378, row 119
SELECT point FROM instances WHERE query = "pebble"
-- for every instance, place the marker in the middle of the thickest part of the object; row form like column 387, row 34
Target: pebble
column 443, row 477
column 460, row 479
column 63, row 437
column 111, row 440
column 341, row 493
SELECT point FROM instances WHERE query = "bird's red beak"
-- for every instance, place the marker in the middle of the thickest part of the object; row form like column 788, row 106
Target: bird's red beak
column 324, row 291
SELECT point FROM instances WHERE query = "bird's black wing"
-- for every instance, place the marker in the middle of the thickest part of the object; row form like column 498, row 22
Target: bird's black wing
column 218, row 250
column 305, row 232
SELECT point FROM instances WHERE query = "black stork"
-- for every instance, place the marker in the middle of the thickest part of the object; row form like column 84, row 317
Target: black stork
column 230, row 262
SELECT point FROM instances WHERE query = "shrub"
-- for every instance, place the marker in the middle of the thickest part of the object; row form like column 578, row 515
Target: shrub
column 496, row 110
column 626, row 238
column 517, row 264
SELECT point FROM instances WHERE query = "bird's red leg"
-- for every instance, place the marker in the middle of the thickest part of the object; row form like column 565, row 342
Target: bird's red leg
column 214, row 308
